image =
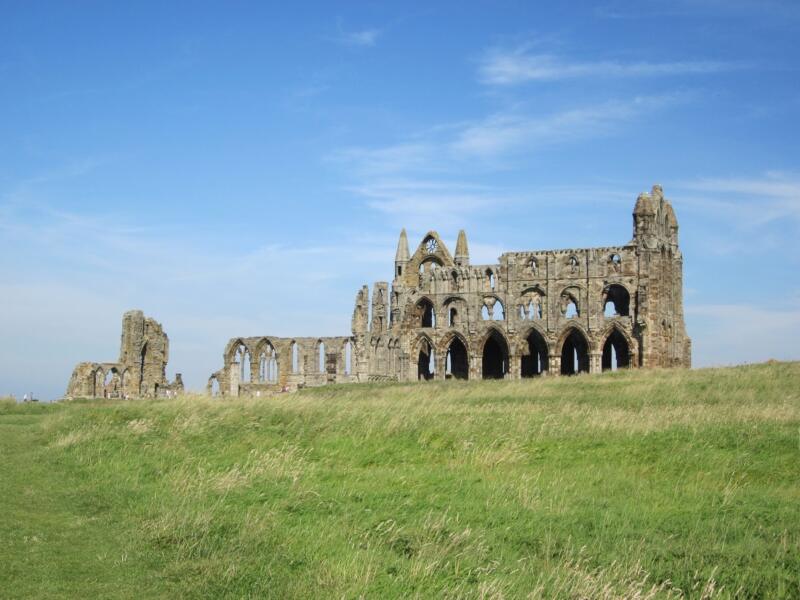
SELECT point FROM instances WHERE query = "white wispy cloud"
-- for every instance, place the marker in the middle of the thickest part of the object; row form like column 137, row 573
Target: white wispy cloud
column 460, row 147
column 656, row 9
column 419, row 203
column 749, row 201
column 362, row 37
column 500, row 66
column 506, row 132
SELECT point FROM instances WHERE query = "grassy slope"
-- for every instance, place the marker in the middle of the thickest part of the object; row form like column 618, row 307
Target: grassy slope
column 667, row 482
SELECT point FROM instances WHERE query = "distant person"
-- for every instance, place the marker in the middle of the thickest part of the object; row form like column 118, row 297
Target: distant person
column 25, row 398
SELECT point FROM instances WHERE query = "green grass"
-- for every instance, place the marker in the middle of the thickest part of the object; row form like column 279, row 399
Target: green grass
column 639, row 484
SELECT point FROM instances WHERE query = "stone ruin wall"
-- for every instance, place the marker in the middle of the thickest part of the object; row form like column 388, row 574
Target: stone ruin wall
column 269, row 364
column 140, row 371
column 549, row 312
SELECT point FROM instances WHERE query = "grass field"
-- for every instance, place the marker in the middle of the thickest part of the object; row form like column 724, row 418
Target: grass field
column 639, row 484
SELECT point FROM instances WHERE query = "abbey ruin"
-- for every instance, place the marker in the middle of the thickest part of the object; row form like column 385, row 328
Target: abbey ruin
column 534, row 313
column 140, row 371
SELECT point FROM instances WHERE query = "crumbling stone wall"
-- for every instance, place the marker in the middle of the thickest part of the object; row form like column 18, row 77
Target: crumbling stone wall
column 140, row 371
column 534, row 313
column 265, row 365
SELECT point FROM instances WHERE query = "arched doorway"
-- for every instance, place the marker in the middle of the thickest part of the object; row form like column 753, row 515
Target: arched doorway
column 535, row 362
column 457, row 361
column 425, row 362
column 616, row 352
column 495, row 356
column 574, row 354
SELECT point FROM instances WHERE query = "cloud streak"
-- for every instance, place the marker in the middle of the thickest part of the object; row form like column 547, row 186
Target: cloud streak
column 358, row 38
column 752, row 202
column 504, row 67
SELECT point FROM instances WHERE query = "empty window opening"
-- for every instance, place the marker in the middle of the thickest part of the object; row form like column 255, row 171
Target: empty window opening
column 616, row 352
column 491, row 279
column 272, row 366
column 141, row 369
column 535, row 309
column 617, row 301
column 495, row 357
column 493, row 310
column 569, row 306
column 574, row 265
column 452, row 317
column 616, row 262
column 399, row 270
column 533, row 265
column 321, row 362
column 348, row 358
column 245, row 366
column 454, row 278
column 425, row 362
column 214, row 386
column 535, row 362
column 574, row 354
column 498, row 312
column 109, row 384
column 427, row 314
column 457, row 362
column 262, row 367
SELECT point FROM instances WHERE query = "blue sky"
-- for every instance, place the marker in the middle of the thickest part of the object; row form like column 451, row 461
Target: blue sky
column 242, row 168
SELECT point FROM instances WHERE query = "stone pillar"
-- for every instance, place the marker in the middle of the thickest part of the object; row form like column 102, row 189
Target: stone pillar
column 233, row 378
column 595, row 362
column 554, row 361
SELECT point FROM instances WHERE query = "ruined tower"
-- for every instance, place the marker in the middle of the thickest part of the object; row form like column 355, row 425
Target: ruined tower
column 140, row 371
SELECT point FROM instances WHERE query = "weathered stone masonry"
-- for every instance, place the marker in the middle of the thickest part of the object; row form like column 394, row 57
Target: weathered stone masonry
column 140, row 370
column 547, row 312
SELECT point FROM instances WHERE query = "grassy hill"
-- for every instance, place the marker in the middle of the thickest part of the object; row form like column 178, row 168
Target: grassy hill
column 637, row 484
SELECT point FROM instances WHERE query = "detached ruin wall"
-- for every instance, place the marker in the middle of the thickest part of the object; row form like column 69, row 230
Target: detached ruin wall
column 534, row 313
column 140, row 371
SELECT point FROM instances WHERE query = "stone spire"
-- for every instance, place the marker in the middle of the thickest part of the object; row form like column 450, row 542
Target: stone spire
column 462, row 250
column 403, row 256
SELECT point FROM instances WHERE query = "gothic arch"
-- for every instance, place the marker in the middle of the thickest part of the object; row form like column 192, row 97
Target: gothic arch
column 457, row 304
column 620, row 296
column 233, row 348
column 616, row 339
column 572, row 294
column 262, row 344
column 495, row 352
column 455, row 353
column 424, row 312
column 535, row 352
column 574, row 347
column 425, row 354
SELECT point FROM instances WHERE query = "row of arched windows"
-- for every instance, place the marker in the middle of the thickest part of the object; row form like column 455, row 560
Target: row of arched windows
column 617, row 303
column 268, row 365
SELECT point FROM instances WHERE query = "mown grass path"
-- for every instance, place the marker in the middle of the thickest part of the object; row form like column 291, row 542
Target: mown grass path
column 58, row 538
column 641, row 484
